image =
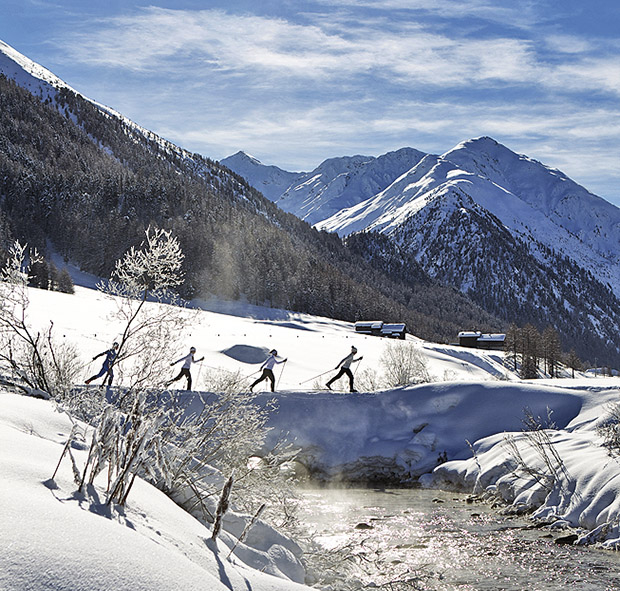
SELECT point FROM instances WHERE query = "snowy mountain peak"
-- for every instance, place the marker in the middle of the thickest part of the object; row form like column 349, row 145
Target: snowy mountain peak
column 335, row 184
column 242, row 157
column 482, row 218
column 27, row 73
column 271, row 181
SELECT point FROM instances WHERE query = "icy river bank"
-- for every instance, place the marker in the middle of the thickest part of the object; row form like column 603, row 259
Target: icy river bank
column 435, row 540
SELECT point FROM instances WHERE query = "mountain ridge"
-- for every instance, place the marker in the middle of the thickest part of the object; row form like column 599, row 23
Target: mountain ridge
column 333, row 185
column 535, row 201
column 521, row 239
column 88, row 180
column 79, row 179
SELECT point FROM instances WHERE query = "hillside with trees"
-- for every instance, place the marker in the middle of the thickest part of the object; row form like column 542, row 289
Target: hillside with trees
column 87, row 183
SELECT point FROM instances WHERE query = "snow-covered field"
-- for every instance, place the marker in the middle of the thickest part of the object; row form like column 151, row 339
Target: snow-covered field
column 56, row 539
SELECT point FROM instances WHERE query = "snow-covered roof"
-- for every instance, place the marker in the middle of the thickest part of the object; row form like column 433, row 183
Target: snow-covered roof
column 480, row 336
column 492, row 337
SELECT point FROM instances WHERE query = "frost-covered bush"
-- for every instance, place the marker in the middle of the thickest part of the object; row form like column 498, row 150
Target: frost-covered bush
column 185, row 445
column 403, row 364
column 35, row 360
column 367, row 380
column 534, row 455
column 147, row 334
column 609, row 429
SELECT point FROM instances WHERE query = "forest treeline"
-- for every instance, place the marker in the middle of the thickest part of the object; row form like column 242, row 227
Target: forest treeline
column 89, row 183
column 518, row 280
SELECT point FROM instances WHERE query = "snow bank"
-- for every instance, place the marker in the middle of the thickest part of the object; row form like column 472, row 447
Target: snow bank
column 55, row 538
column 563, row 476
column 399, row 434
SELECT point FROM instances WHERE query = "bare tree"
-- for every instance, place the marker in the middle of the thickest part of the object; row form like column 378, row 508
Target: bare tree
column 552, row 351
column 148, row 336
column 573, row 361
column 35, row 360
column 403, row 364
column 513, row 344
column 131, row 435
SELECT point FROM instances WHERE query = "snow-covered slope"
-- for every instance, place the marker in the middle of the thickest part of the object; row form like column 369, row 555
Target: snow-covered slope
column 530, row 199
column 61, row 539
column 46, row 85
column 57, row 538
column 28, row 74
column 522, row 240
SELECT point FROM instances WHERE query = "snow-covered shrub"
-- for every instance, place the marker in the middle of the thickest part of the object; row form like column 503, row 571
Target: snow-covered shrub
column 35, row 360
column 183, row 444
column 403, row 364
column 534, row 455
column 367, row 381
column 148, row 336
column 221, row 380
column 219, row 438
column 180, row 449
column 609, row 429
column 132, row 436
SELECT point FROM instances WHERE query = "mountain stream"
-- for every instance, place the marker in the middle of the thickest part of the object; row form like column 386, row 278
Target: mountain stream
column 408, row 539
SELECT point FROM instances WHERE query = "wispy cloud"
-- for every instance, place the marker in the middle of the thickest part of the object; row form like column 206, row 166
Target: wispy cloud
column 157, row 40
column 520, row 14
column 359, row 75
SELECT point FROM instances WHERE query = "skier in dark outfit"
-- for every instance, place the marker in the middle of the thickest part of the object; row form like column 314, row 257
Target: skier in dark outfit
column 108, row 363
column 344, row 366
column 267, row 368
column 187, row 363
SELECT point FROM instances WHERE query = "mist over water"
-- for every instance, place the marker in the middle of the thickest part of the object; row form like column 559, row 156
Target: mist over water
column 421, row 539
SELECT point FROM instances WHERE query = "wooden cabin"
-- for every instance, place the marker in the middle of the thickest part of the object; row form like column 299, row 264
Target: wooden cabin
column 479, row 340
column 379, row 328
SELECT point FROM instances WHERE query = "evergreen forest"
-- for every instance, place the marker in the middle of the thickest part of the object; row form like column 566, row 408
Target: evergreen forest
column 86, row 183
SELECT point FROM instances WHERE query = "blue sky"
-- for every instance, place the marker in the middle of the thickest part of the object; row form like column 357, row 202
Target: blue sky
column 294, row 83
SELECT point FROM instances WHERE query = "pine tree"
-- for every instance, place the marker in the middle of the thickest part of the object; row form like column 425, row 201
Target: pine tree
column 65, row 283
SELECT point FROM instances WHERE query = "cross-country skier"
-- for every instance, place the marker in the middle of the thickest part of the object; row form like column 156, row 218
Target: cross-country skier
column 108, row 363
column 344, row 366
column 267, row 368
column 187, row 363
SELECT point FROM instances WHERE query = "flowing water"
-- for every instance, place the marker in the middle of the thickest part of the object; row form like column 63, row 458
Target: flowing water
column 420, row 539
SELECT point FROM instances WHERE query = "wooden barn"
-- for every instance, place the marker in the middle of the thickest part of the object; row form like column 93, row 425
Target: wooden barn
column 379, row 328
column 479, row 340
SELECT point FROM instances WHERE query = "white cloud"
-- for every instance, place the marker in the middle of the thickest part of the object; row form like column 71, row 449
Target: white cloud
column 158, row 39
column 570, row 44
column 520, row 14
column 274, row 51
column 358, row 79
column 589, row 74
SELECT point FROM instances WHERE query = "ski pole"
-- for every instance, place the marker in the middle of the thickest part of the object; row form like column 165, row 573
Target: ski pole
column 278, row 382
column 199, row 370
column 358, row 366
column 315, row 377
